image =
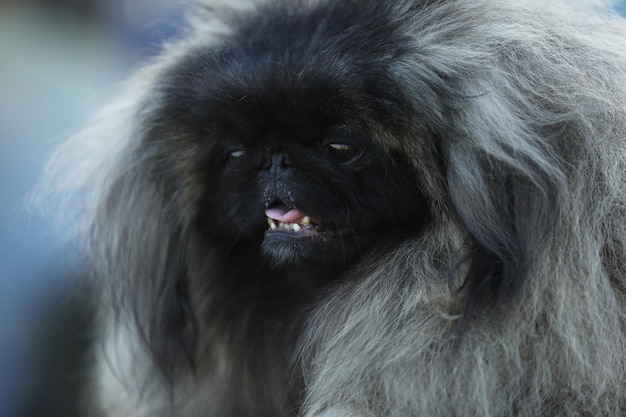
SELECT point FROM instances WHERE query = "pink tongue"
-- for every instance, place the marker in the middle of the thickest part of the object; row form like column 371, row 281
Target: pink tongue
column 284, row 214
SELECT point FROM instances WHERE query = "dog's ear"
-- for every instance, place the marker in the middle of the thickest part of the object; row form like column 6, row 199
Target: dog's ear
column 108, row 200
column 496, row 166
column 503, row 181
column 138, row 243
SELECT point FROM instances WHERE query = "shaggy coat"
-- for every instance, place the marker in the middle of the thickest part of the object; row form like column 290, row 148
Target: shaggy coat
column 507, row 298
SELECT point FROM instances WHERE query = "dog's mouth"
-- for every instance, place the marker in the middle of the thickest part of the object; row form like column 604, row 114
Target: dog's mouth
column 295, row 236
column 292, row 221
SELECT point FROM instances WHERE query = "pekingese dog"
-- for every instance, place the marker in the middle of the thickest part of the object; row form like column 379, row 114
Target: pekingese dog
column 361, row 209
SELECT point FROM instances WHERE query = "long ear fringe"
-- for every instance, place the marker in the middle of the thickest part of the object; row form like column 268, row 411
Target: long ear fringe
column 146, row 257
column 504, row 186
column 516, row 115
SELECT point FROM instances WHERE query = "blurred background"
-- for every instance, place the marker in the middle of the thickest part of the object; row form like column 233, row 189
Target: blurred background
column 58, row 60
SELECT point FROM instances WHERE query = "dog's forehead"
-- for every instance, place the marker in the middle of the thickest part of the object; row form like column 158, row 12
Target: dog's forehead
column 292, row 60
column 328, row 31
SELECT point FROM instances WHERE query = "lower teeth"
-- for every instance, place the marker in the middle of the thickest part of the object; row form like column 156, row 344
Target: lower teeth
column 289, row 227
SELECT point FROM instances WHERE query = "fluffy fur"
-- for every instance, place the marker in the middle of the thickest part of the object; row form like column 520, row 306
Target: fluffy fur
column 496, row 283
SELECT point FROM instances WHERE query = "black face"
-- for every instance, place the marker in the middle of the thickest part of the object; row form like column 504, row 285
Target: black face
column 325, row 197
column 285, row 150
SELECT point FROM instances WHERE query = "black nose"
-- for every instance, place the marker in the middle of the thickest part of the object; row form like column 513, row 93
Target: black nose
column 276, row 180
column 278, row 164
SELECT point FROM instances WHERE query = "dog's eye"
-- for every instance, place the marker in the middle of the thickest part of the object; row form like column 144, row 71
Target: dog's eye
column 342, row 152
column 236, row 153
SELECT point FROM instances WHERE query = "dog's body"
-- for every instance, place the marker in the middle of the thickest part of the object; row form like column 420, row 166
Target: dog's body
column 461, row 167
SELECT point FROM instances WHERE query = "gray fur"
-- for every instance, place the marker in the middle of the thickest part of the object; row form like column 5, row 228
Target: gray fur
column 532, row 90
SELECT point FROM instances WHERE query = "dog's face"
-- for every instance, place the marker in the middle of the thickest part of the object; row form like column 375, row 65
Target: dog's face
column 310, row 180
column 288, row 157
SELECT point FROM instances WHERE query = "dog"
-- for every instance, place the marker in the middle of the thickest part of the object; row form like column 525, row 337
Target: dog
column 359, row 208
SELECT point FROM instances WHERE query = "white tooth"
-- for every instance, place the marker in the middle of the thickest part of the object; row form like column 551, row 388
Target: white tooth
column 269, row 222
column 272, row 225
column 305, row 221
column 296, row 227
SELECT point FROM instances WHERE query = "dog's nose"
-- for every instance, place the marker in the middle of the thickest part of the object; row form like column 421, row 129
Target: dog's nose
column 278, row 164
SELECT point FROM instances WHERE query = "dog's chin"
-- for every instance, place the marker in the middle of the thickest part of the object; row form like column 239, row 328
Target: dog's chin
column 282, row 247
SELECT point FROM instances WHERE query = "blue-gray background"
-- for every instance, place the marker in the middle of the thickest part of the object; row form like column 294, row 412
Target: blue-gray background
column 58, row 60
